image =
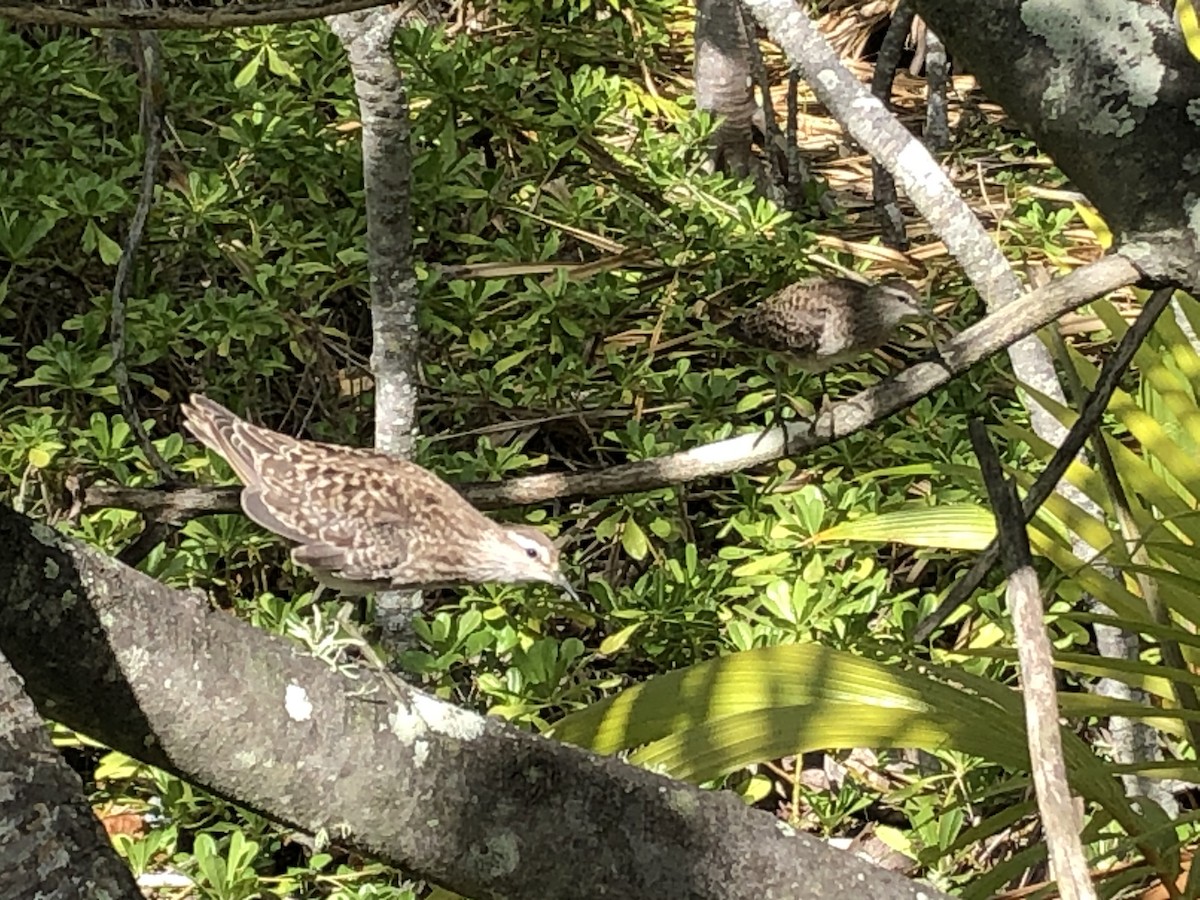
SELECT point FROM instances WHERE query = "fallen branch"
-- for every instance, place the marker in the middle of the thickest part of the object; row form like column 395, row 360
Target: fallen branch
column 989, row 336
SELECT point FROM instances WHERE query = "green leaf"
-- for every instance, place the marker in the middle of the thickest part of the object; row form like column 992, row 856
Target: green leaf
column 633, row 539
column 615, row 643
column 110, row 250
column 248, row 71
column 280, row 66
column 712, row 718
column 962, row 526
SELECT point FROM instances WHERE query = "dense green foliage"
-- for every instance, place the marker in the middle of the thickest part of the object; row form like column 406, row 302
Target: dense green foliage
column 535, row 144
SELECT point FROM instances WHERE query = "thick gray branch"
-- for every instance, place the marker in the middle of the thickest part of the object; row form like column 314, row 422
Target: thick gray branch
column 1106, row 88
column 468, row 802
column 51, row 845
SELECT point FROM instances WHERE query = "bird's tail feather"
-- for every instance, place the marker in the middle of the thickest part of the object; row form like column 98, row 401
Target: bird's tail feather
column 241, row 443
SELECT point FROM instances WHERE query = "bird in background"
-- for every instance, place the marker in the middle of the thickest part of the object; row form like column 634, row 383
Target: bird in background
column 822, row 322
column 819, row 323
column 364, row 521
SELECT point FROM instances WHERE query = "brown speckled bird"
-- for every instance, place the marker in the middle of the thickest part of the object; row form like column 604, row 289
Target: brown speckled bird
column 822, row 322
column 363, row 521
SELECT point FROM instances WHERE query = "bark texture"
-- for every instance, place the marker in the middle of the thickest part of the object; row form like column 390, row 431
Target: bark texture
column 725, row 82
column 51, row 846
column 387, row 169
column 467, row 802
column 1108, row 89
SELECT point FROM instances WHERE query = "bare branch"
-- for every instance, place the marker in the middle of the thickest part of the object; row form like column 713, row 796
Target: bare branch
column 1060, row 818
column 990, row 335
column 937, row 79
column 152, row 100
column 887, row 206
column 1089, row 417
column 274, row 12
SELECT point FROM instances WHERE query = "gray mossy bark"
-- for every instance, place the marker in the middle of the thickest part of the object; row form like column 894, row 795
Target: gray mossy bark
column 1109, row 90
column 51, row 846
column 725, row 82
column 468, row 802
column 387, row 168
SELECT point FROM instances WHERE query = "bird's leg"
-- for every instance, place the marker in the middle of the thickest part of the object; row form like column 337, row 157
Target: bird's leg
column 826, row 400
column 777, row 401
column 803, row 409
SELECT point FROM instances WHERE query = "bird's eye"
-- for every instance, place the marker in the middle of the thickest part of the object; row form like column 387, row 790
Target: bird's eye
column 531, row 552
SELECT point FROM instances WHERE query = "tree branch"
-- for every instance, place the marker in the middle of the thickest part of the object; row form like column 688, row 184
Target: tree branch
column 887, row 205
column 1089, row 417
column 149, row 59
column 387, row 167
column 275, row 12
column 1060, row 819
column 52, row 843
column 990, row 335
column 468, row 802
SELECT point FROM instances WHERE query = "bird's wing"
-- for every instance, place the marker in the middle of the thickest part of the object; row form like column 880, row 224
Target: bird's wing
column 326, row 493
column 784, row 327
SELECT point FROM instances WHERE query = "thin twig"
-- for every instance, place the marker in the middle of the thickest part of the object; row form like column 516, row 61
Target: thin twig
column 150, row 67
column 149, row 57
column 990, row 335
column 1060, row 817
column 772, row 139
column 937, row 77
column 887, row 206
column 1089, row 417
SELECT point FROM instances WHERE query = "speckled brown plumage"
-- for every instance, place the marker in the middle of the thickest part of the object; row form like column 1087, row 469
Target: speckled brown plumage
column 365, row 521
column 819, row 323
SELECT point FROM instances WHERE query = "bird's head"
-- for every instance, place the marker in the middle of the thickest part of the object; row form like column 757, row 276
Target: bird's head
column 517, row 553
column 899, row 301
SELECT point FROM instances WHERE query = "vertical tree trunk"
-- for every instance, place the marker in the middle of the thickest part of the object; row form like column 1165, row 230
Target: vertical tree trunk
column 387, row 165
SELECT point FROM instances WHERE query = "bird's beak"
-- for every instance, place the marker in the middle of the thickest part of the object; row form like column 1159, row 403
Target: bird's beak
column 567, row 588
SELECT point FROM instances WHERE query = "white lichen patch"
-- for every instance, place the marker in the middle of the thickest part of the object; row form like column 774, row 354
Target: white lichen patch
column 500, row 856
column 246, row 759
column 50, row 569
column 43, row 534
column 295, row 701
column 683, row 802
column 1191, row 208
column 420, row 753
column 1107, row 45
column 405, row 724
column 444, row 718
column 1193, row 111
column 134, row 661
column 828, row 79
